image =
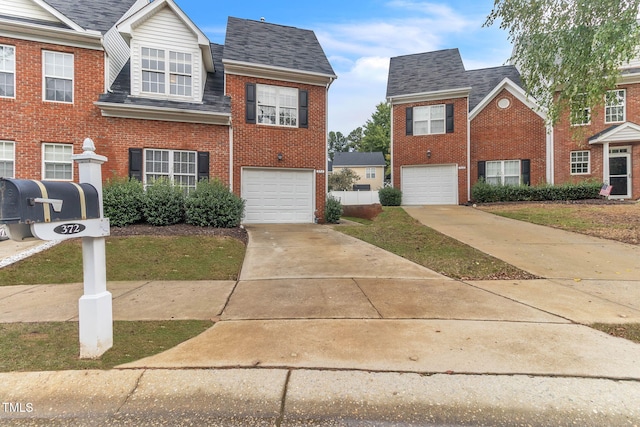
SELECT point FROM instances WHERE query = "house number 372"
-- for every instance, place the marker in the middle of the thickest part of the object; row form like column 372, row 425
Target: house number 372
column 67, row 229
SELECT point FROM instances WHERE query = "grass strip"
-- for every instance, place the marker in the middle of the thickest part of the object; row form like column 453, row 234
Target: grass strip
column 135, row 258
column 629, row 331
column 54, row 346
column 395, row 231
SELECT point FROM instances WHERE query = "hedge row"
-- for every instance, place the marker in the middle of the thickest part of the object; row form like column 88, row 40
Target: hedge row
column 487, row 193
column 210, row 204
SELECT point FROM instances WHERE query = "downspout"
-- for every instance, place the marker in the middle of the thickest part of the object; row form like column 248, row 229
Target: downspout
column 468, row 154
column 231, row 154
column 391, row 144
column 550, row 156
column 326, row 147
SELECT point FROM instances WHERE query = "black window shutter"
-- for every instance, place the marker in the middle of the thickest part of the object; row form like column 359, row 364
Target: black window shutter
column 250, row 92
column 482, row 174
column 409, row 120
column 449, row 116
column 135, row 163
column 303, row 110
column 203, row 165
column 525, row 170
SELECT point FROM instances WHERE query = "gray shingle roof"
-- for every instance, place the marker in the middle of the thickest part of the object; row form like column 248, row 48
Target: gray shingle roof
column 426, row 72
column 273, row 45
column 96, row 15
column 341, row 159
column 485, row 80
column 213, row 99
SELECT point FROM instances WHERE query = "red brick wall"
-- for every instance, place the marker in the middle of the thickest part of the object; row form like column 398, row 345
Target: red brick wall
column 445, row 148
column 29, row 121
column 572, row 138
column 513, row 133
column 259, row 145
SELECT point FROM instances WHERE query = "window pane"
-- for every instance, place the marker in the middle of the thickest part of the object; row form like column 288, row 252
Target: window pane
column 437, row 126
column 57, row 161
column 7, row 71
column 493, row 168
column 512, row 167
column 58, row 70
column 420, row 113
column 437, row 112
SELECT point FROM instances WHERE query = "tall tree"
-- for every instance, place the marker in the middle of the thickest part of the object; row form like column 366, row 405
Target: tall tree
column 569, row 48
column 355, row 139
column 377, row 130
column 337, row 143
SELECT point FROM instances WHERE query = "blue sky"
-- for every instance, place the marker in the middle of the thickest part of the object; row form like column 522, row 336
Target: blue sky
column 359, row 37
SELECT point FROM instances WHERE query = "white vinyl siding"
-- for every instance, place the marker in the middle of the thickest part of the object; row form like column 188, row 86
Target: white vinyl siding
column 56, row 162
column 580, row 162
column 7, row 159
column 277, row 105
column 165, row 32
column 26, row 9
column 503, row 172
column 615, row 106
column 118, row 53
column 58, row 76
column 177, row 166
column 7, row 71
column 429, row 120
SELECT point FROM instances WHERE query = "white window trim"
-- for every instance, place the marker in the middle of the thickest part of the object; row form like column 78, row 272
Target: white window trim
column 624, row 106
column 582, row 109
column 52, row 144
column 171, row 173
column 502, row 175
column 278, row 106
column 430, row 120
column 12, row 159
column 572, row 162
column 44, row 77
column 13, row 72
column 370, row 173
column 167, row 74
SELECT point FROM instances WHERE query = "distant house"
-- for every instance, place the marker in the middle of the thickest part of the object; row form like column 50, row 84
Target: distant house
column 368, row 166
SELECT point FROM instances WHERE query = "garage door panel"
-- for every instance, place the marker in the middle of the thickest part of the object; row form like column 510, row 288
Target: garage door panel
column 430, row 185
column 278, row 196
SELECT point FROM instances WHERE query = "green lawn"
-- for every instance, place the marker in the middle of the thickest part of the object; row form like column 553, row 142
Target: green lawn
column 135, row 258
column 395, row 231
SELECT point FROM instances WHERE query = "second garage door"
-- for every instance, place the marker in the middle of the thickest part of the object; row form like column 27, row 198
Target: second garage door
column 278, row 195
column 430, row 185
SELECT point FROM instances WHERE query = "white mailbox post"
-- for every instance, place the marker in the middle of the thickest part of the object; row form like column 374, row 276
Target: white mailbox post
column 95, row 312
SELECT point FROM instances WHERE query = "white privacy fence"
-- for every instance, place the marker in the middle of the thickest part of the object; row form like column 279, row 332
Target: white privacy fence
column 356, row 197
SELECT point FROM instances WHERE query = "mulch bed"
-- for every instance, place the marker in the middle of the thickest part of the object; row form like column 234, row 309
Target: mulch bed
column 180, row 230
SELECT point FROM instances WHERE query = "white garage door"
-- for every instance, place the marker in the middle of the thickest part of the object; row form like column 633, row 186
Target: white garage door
column 277, row 195
column 430, row 185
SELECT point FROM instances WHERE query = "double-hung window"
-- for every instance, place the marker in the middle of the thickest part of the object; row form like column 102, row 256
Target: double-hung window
column 503, row 172
column 7, row 71
column 614, row 110
column 277, row 105
column 58, row 76
column 177, row 166
column 157, row 78
column 580, row 112
column 370, row 173
column 429, row 120
column 580, row 164
column 7, row 159
column 56, row 162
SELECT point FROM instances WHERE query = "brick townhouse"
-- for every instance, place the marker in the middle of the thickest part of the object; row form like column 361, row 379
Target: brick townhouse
column 160, row 100
column 452, row 127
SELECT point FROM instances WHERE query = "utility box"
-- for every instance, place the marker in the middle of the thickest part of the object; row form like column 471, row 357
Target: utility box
column 50, row 210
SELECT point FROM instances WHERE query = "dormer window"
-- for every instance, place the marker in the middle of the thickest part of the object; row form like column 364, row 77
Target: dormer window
column 157, row 78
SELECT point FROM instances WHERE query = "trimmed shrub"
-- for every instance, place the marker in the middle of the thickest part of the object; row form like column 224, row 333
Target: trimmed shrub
column 163, row 203
column 213, row 204
column 122, row 201
column 390, row 196
column 487, row 193
column 332, row 210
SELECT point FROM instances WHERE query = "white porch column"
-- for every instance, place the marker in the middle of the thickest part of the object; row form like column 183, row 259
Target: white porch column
column 95, row 312
column 605, row 163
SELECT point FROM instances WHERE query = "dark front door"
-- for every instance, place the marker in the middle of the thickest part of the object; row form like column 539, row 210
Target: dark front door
column 619, row 174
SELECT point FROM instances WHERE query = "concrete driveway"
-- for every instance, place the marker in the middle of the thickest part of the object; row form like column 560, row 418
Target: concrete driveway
column 311, row 297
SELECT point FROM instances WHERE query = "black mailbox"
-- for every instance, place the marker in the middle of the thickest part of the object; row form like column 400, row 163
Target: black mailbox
column 24, row 201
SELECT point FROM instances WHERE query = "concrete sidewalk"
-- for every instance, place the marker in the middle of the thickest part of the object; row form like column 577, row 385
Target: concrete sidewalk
column 323, row 329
